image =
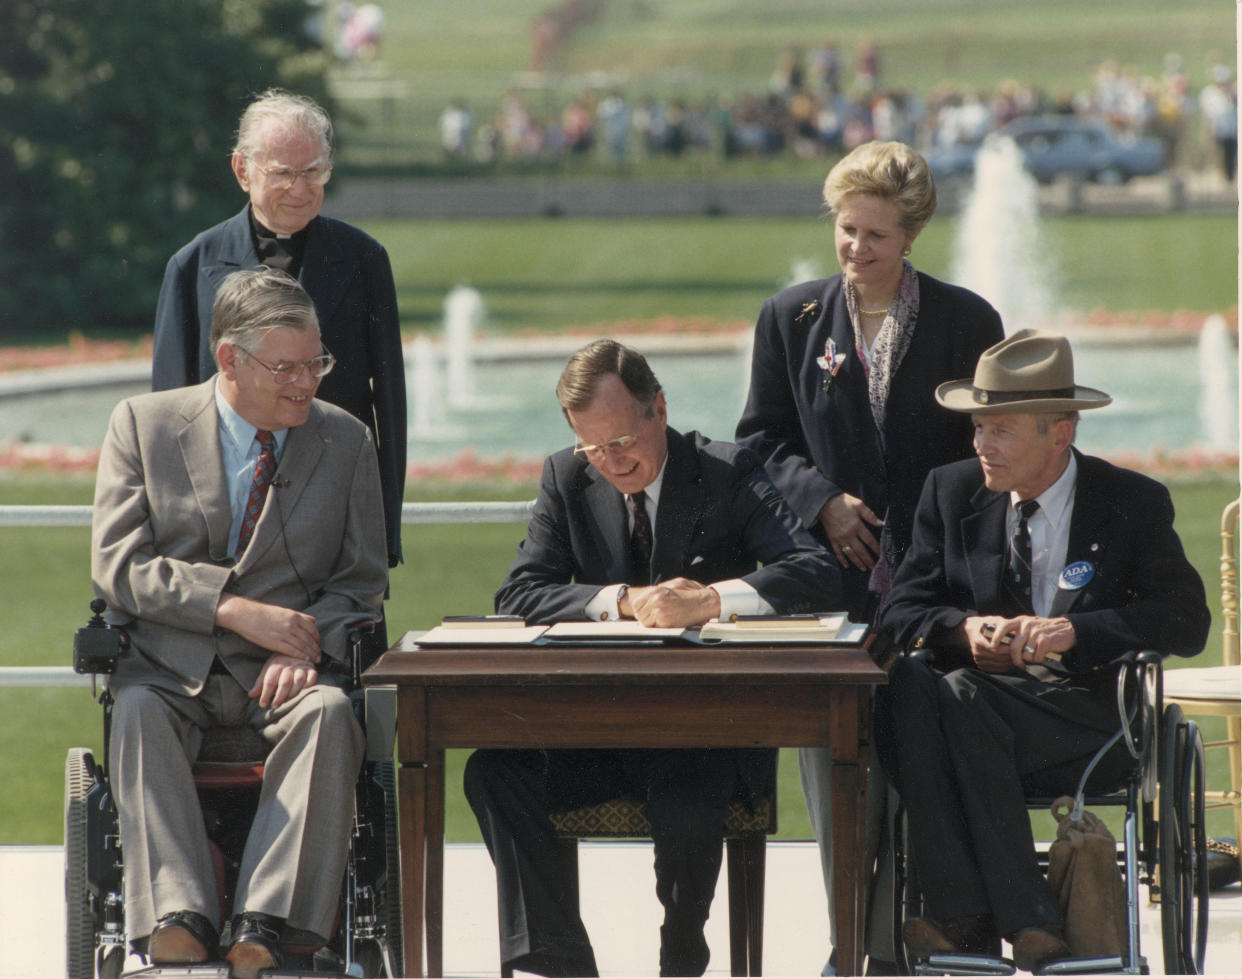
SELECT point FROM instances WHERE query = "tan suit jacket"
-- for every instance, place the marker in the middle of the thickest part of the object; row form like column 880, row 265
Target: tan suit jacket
column 159, row 554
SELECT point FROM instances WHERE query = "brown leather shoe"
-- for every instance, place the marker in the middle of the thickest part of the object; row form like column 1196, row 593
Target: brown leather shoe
column 1032, row 947
column 182, row 938
column 925, row 937
column 256, row 945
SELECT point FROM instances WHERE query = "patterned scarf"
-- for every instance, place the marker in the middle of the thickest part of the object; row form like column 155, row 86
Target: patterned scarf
column 890, row 347
column 891, row 343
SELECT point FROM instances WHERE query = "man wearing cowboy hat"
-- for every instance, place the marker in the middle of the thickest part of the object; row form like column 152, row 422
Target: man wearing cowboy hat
column 1032, row 569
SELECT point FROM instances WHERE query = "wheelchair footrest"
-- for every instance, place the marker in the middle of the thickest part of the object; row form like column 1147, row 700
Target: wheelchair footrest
column 1110, row 965
column 965, row 964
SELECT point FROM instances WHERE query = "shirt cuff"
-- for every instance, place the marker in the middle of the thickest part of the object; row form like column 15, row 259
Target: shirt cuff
column 738, row 597
column 603, row 607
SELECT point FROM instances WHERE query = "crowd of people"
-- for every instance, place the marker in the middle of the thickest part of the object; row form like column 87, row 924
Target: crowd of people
column 813, row 106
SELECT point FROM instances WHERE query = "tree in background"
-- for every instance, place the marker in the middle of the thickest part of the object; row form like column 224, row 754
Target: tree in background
column 116, row 122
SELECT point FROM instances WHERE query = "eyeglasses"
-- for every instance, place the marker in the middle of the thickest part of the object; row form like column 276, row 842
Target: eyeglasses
column 288, row 373
column 282, row 178
column 620, row 444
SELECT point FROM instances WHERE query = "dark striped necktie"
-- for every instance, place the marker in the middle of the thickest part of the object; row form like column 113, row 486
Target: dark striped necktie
column 641, row 539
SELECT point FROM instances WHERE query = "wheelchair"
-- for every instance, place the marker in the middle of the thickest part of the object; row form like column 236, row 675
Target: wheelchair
column 228, row 775
column 1163, row 843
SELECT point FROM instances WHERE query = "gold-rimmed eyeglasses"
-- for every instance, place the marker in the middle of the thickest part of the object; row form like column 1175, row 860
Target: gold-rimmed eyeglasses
column 622, row 443
column 283, row 373
column 282, row 177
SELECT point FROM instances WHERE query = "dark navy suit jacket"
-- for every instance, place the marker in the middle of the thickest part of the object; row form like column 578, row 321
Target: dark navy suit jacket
column 816, row 443
column 348, row 276
column 1142, row 594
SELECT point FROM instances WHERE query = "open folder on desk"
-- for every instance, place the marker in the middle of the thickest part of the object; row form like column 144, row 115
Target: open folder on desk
column 482, row 630
column 813, row 627
column 505, row 630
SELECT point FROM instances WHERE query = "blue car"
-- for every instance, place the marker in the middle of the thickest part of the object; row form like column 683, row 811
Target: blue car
column 1055, row 145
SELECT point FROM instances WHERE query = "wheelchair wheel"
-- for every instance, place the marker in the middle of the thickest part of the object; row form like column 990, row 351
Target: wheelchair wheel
column 1182, row 841
column 387, row 775
column 79, row 917
column 369, row 954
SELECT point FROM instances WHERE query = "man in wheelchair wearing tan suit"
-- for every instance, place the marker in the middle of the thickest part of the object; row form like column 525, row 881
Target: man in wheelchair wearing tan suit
column 237, row 589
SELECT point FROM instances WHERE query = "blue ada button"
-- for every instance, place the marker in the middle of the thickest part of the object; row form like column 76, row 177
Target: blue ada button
column 1076, row 575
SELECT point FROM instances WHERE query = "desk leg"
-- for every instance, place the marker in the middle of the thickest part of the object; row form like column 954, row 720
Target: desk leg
column 413, row 822
column 435, row 863
column 849, row 821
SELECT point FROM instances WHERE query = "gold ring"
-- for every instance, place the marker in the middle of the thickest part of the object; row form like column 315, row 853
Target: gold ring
column 846, row 549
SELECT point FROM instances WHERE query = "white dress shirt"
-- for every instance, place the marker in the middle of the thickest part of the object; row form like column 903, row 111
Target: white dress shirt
column 1050, row 527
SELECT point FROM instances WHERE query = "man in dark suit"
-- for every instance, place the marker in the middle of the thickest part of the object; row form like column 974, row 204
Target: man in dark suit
column 283, row 160
column 237, row 587
column 1032, row 570
column 637, row 521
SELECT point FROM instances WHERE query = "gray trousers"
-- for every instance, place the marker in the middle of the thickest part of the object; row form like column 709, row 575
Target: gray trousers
column 876, row 867
column 295, row 853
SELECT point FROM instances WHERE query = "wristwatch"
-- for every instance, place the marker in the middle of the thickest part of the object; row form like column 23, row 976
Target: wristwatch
column 621, row 593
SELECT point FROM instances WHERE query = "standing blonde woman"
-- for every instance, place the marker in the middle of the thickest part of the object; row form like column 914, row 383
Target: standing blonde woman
column 841, row 405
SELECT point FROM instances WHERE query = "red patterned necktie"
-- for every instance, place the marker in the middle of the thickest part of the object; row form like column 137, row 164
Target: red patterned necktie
column 264, row 469
column 641, row 540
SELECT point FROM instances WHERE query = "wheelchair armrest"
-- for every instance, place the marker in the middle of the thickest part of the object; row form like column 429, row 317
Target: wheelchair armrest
column 380, row 709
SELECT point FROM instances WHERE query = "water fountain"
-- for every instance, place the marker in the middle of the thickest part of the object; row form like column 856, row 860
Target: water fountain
column 997, row 252
column 428, row 419
column 1218, row 391
column 464, row 314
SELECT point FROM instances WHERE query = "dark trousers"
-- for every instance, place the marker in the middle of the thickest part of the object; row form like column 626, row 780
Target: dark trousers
column 686, row 793
column 964, row 750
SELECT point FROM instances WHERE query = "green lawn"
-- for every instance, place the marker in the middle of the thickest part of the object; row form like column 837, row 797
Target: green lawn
column 547, row 274
column 46, row 600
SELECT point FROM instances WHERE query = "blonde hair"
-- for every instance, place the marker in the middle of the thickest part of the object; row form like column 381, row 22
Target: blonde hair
column 888, row 170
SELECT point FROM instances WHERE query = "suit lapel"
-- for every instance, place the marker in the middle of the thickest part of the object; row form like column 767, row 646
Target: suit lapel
column 199, row 442
column 322, row 270
column 608, row 507
column 1088, row 527
column 681, row 506
column 234, row 251
column 303, row 448
column 982, row 532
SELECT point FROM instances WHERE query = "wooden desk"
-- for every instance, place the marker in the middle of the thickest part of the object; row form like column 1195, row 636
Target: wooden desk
column 636, row 696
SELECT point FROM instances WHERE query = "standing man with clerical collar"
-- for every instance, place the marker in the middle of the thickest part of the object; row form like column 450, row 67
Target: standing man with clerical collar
column 1033, row 569
column 282, row 161
column 636, row 521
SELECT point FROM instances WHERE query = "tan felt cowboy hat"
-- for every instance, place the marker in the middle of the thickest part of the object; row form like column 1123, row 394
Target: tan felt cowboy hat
column 1031, row 371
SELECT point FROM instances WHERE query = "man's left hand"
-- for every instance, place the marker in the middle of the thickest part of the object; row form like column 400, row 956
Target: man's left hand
column 281, row 679
column 674, row 604
column 998, row 644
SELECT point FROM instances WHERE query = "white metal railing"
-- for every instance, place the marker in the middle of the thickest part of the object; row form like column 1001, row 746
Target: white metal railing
column 487, row 511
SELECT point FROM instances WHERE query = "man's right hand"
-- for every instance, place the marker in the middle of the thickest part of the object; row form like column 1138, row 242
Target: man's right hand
column 272, row 627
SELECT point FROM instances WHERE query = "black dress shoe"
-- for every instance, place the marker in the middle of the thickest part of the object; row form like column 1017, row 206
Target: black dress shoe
column 182, row 938
column 256, row 944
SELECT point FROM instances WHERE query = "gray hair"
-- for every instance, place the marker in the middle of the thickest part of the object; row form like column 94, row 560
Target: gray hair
column 1044, row 420
column 250, row 303
column 579, row 380
column 298, row 113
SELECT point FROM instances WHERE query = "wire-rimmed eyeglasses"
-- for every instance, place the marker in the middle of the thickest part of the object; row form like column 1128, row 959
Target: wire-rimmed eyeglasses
column 622, row 443
column 282, row 177
column 288, row 373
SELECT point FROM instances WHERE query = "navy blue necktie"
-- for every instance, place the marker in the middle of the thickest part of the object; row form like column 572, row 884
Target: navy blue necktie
column 641, row 539
column 1018, row 573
